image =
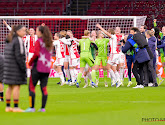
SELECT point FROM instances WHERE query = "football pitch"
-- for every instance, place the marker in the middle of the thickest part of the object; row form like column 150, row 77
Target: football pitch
column 68, row 105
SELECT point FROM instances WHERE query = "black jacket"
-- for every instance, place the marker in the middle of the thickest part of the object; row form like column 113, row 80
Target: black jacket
column 142, row 43
column 14, row 63
column 140, row 40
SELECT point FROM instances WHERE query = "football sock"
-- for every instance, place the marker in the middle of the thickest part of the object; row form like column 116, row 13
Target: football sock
column 113, row 77
column 121, row 73
column 117, row 76
column 72, row 75
column 16, row 101
column 61, row 77
column 79, row 77
column 1, row 96
column 93, row 74
column 105, row 76
column 7, row 102
column 97, row 74
column 89, row 76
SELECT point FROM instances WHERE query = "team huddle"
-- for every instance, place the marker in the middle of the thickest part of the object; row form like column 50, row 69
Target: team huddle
column 108, row 49
column 93, row 49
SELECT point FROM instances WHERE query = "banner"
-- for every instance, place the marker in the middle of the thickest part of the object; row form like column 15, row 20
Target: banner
column 54, row 74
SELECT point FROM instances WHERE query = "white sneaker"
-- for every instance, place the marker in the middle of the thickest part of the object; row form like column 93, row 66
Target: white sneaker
column 119, row 84
column 150, row 84
column 129, row 83
column 85, row 86
column 72, row 84
column 106, row 84
column 92, row 86
column 160, row 82
column 122, row 82
column 38, row 83
column 67, row 83
column 63, row 83
column 138, row 86
column 113, row 83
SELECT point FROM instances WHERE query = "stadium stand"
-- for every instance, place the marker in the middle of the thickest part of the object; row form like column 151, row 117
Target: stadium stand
column 32, row 7
column 151, row 8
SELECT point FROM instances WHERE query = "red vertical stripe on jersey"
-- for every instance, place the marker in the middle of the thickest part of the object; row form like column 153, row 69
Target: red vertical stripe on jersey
column 32, row 43
column 75, row 50
column 119, row 37
column 66, row 50
column 62, row 49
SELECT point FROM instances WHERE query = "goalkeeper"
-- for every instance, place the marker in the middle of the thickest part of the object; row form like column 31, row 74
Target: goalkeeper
column 102, row 44
column 86, row 58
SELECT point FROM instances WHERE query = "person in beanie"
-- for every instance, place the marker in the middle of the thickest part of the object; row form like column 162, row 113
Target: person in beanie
column 14, row 66
column 41, row 65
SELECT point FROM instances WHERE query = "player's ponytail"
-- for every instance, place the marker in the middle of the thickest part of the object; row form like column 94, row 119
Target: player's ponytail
column 46, row 36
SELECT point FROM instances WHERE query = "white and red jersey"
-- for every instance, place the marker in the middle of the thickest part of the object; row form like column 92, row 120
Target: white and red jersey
column 66, row 42
column 24, row 38
column 31, row 43
column 60, row 47
column 73, row 50
column 119, row 37
column 113, row 44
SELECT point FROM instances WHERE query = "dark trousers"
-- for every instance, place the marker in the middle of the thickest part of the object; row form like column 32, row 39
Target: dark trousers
column 152, row 72
column 140, row 72
column 129, row 59
column 154, row 62
column 35, row 76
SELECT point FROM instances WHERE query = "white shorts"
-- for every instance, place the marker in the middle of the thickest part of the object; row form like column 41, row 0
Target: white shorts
column 30, row 55
column 66, row 58
column 74, row 62
column 113, row 59
column 59, row 62
column 121, row 58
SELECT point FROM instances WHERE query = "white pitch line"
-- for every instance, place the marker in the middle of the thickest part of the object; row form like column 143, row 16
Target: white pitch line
column 111, row 101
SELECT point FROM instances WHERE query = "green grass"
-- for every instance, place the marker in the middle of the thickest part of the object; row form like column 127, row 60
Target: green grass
column 68, row 105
